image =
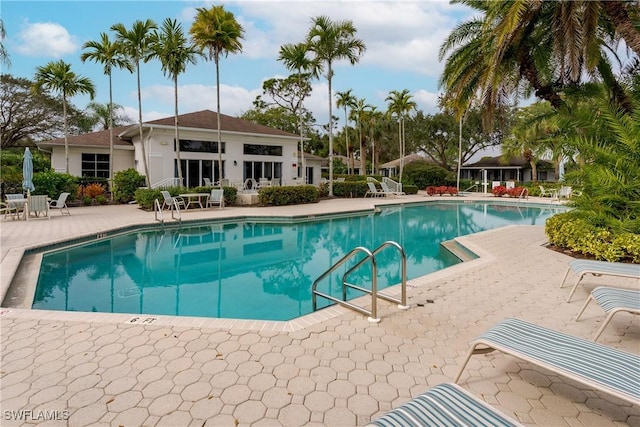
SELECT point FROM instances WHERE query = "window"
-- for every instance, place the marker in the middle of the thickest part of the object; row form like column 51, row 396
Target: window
column 95, row 165
column 257, row 170
column 263, row 150
column 200, row 146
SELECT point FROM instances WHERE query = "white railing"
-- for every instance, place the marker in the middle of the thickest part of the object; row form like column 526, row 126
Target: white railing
column 394, row 186
column 165, row 183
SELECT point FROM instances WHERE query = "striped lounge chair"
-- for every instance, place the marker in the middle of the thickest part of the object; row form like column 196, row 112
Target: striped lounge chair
column 599, row 268
column 595, row 365
column 612, row 301
column 444, row 405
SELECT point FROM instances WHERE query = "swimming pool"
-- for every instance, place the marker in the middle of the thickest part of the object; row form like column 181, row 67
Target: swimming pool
column 256, row 269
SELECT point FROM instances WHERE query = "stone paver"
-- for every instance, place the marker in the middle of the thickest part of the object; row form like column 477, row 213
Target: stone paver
column 99, row 369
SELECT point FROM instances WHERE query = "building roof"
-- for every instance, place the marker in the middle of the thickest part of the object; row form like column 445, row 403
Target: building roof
column 497, row 162
column 205, row 119
column 410, row 158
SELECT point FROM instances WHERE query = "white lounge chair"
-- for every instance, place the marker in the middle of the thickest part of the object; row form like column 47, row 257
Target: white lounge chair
column 373, row 190
column 61, row 204
column 595, row 365
column 444, row 405
column 169, row 200
column 216, row 198
column 599, row 268
column 612, row 301
column 207, row 182
column 546, row 193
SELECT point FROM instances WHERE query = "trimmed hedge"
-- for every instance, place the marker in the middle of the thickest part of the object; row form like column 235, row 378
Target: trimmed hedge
column 569, row 231
column 288, row 195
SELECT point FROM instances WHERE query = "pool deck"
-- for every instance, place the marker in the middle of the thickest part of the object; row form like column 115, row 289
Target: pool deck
column 331, row 368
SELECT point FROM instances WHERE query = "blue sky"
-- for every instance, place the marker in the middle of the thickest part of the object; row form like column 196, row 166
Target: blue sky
column 402, row 38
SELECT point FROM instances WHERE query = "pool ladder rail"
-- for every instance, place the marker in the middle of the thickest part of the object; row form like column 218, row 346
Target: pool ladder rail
column 369, row 256
column 175, row 211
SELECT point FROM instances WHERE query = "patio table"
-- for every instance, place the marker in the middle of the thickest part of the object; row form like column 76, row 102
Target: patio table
column 194, row 198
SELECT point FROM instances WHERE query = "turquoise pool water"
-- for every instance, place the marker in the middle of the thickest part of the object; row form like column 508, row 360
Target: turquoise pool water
column 256, row 269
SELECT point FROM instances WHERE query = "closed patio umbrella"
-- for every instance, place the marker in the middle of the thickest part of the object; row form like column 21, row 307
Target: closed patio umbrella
column 27, row 171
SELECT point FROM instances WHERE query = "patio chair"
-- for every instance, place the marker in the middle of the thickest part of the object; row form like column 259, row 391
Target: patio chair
column 14, row 205
column 546, row 193
column 612, row 301
column 250, row 185
column 565, row 192
column 61, row 204
column 169, row 200
column 598, row 366
column 216, row 198
column 36, row 205
column 373, row 190
column 207, row 182
column 445, row 404
column 581, row 267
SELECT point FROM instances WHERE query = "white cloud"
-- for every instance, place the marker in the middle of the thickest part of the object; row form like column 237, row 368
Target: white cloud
column 46, row 39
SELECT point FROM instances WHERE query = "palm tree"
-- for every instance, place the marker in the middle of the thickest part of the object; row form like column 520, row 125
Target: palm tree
column 217, row 31
column 105, row 115
column 135, row 45
column 108, row 54
column 4, row 56
column 294, row 57
column 171, row 47
column 400, row 104
column 58, row 77
column 331, row 41
column 359, row 114
column 524, row 47
column 347, row 100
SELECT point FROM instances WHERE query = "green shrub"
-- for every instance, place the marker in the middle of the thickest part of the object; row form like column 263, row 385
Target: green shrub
column 125, row 184
column 569, row 231
column 350, row 189
column 423, row 174
column 87, row 201
column 53, row 184
column 410, row 189
column 288, row 195
column 102, row 200
column 145, row 197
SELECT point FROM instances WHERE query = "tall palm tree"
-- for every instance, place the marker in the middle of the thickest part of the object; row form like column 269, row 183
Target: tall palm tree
column 102, row 115
column 4, row 56
column 374, row 120
column 58, row 77
column 401, row 104
column 109, row 54
column 359, row 114
column 347, row 100
column 135, row 45
column 217, row 31
column 331, row 41
column 171, row 47
column 294, row 57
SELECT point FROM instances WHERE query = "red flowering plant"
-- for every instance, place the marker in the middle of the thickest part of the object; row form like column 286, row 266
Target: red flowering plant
column 499, row 190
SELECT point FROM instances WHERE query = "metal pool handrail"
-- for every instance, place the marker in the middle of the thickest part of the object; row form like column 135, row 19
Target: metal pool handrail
column 369, row 256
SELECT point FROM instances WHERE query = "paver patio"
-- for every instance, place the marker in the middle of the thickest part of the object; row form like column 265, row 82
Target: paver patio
column 335, row 369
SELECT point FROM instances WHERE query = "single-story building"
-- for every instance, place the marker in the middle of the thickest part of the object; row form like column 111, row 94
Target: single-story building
column 517, row 170
column 249, row 150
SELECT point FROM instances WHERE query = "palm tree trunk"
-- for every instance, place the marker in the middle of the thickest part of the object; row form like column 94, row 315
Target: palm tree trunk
column 346, row 140
column 175, row 89
column 144, row 150
column 329, row 72
column 110, row 136
column 66, row 133
column 363, row 158
column 217, row 61
column 534, row 171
